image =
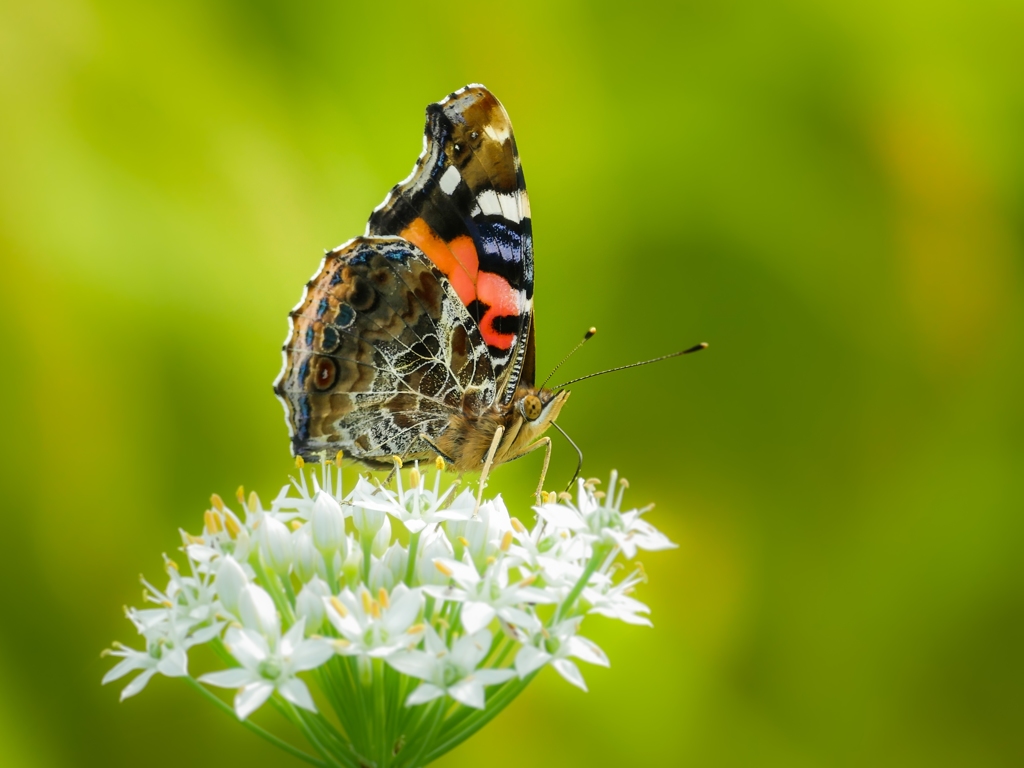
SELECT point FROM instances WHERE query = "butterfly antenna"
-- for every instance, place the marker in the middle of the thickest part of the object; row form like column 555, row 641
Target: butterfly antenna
column 579, row 453
column 697, row 348
column 586, row 337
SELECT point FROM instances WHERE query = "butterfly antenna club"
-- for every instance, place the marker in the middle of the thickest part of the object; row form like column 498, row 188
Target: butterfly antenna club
column 586, row 337
column 695, row 348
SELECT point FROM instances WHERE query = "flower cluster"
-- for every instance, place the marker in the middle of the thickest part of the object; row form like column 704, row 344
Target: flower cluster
column 414, row 613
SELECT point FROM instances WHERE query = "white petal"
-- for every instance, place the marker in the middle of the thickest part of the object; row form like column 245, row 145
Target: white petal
column 426, row 692
column 470, row 650
column 570, row 672
column 414, row 525
column 251, row 698
column 530, row 659
column 228, row 678
column 414, row 663
column 310, row 654
column 229, row 582
column 297, row 693
column 560, row 516
column 126, row 665
column 403, row 611
column 256, row 610
column 466, row 575
column 494, row 676
column 137, row 684
column 476, row 616
column 248, row 646
column 469, row 692
column 587, row 651
column 174, row 664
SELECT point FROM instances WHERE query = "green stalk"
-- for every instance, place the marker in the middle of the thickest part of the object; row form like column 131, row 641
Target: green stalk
column 479, row 718
column 410, row 568
column 584, row 579
column 275, row 740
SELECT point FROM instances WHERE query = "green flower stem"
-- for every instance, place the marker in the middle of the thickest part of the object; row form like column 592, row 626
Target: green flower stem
column 274, row 588
column 380, row 714
column 410, row 568
column 315, row 737
column 434, row 716
column 276, row 741
column 595, row 560
column 452, row 737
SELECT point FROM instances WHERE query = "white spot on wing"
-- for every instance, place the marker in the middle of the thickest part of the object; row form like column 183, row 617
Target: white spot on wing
column 500, row 135
column 493, row 203
column 488, row 202
column 524, row 204
column 450, row 180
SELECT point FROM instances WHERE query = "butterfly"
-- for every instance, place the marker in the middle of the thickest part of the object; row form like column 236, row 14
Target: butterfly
column 417, row 340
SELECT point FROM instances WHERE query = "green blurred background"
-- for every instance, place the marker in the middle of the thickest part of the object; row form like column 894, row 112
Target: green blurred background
column 832, row 195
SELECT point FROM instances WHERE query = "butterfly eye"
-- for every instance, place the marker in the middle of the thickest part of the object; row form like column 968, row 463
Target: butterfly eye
column 532, row 407
column 474, row 135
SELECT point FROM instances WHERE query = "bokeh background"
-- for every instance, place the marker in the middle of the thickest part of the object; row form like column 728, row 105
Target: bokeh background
column 832, row 195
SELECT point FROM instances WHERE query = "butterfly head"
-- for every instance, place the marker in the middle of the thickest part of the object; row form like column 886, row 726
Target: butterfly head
column 530, row 414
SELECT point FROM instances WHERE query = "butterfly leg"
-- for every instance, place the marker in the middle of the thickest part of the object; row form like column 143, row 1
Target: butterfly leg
column 435, row 449
column 545, row 443
column 487, row 466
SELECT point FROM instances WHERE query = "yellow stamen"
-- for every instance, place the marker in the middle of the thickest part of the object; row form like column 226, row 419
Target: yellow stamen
column 341, row 644
column 397, row 461
column 375, row 609
column 439, row 463
column 167, row 604
column 339, row 606
column 218, row 502
column 338, row 459
column 552, row 497
column 520, row 528
column 211, row 521
column 490, row 560
column 565, row 496
column 593, row 481
column 528, row 580
column 254, row 500
column 382, row 595
column 194, row 539
column 506, row 541
column 296, row 525
column 232, row 526
column 463, row 541
column 172, row 564
column 443, row 623
column 414, row 478
column 299, row 462
column 367, row 601
column 443, row 568
column 624, row 482
column 415, row 629
column 599, row 494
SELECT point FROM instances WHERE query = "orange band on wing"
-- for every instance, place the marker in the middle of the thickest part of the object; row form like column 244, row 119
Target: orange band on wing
column 461, row 265
column 457, row 259
column 502, row 299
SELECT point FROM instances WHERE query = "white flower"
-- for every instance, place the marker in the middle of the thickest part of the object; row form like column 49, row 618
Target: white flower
column 481, row 534
column 276, row 545
column 486, row 596
column 554, row 647
column 375, row 628
column 613, row 600
column 257, row 612
column 594, row 521
column 432, row 546
column 309, row 563
column 328, row 525
column 309, row 604
column 267, row 668
column 229, row 583
column 453, row 672
column 415, row 507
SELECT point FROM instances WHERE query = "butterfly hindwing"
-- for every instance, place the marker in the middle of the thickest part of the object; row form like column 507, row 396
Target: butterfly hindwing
column 382, row 350
column 465, row 206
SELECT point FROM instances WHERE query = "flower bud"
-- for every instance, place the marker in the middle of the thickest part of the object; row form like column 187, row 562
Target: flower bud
column 229, row 582
column 308, row 563
column 328, row 525
column 434, row 546
column 352, row 567
column 382, row 539
column 276, row 545
column 256, row 610
column 309, row 605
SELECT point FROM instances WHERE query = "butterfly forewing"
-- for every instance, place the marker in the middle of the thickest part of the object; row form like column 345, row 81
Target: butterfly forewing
column 465, row 206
